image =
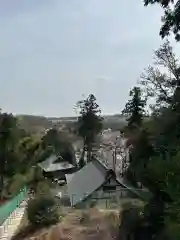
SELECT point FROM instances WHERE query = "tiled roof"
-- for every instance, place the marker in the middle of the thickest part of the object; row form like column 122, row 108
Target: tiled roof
column 86, row 181
column 49, row 166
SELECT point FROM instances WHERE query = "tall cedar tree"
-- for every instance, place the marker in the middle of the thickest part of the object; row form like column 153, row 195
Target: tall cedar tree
column 171, row 18
column 140, row 155
column 7, row 146
column 134, row 108
column 89, row 124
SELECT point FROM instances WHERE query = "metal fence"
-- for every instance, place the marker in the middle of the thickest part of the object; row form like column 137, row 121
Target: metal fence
column 9, row 207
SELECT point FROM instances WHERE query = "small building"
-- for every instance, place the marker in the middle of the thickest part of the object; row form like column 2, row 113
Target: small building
column 56, row 168
column 95, row 182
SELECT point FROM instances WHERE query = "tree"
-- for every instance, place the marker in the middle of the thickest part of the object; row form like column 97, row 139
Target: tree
column 89, row 124
column 58, row 143
column 51, row 139
column 160, row 80
column 8, row 153
column 42, row 211
column 31, row 151
column 134, row 108
column 140, row 154
column 155, row 156
column 171, row 18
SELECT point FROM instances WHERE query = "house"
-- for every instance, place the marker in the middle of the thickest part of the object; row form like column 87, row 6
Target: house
column 56, row 167
column 95, row 181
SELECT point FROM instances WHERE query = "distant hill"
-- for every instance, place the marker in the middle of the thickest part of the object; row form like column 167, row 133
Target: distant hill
column 115, row 122
column 115, row 117
column 34, row 124
column 38, row 124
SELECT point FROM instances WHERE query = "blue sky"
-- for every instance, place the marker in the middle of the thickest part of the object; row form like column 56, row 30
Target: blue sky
column 54, row 51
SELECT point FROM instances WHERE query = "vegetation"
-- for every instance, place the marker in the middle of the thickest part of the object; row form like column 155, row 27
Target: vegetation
column 112, row 219
column 134, row 109
column 20, row 153
column 58, row 143
column 89, row 124
column 159, row 80
column 154, row 156
column 34, row 124
column 9, row 155
column 42, row 212
column 171, row 18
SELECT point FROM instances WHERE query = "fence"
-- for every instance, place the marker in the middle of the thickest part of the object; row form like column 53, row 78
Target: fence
column 11, row 205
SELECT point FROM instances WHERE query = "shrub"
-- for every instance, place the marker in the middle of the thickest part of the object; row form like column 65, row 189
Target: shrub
column 29, row 175
column 112, row 219
column 130, row 219
column 34, row 175
column 42, row 211
column 17, row 182
column 43, row 188
column 92, row 203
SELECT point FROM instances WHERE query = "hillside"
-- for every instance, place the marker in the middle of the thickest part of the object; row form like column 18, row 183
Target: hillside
column 38, row 124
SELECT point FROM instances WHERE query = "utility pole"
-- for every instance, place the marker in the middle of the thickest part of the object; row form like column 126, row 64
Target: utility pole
column 114, row 159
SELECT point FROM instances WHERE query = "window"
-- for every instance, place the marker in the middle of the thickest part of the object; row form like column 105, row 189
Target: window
column 109, row 188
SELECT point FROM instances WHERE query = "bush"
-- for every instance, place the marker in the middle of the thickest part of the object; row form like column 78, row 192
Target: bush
column 17, row 182
column 42, row 211
column 43, row 188
column 130, row 219
column 92, row 203
column 112, row 219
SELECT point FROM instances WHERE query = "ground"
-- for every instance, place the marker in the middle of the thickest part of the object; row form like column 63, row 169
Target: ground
column 89, row 224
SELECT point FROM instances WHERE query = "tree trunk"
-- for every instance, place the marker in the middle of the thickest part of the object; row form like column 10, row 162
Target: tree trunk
column 89, row 153
column 83, row 152
column 81, row 160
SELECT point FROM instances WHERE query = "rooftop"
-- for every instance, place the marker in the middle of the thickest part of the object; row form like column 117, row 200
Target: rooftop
column 87, row 180
column 49, row 166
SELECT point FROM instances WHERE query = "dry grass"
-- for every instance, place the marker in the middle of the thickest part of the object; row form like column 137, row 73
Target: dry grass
column 90, row 224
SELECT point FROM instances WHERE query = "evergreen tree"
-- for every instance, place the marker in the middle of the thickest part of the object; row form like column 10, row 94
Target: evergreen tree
column 89, row 124
column 8, row 153
column 134, row 108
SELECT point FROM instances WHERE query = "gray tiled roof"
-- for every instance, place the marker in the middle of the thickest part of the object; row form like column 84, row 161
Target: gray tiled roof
column 86, row 181
column 49, row 166
column 69, row 177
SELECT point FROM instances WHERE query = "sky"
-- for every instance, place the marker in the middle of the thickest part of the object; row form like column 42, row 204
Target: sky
column 55, row 52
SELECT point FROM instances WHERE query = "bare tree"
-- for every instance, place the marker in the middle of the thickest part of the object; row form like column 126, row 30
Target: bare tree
column 160, row 80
